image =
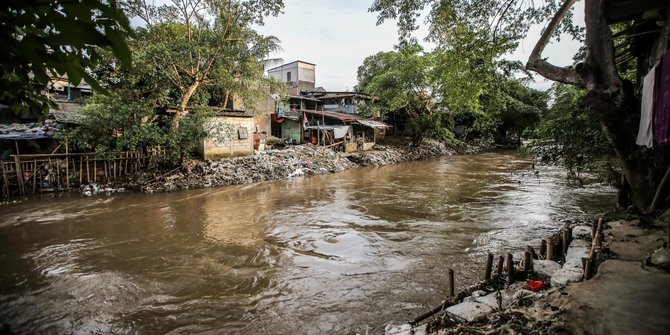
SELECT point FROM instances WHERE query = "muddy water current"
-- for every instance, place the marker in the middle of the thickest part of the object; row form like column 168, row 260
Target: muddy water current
column 332, row 254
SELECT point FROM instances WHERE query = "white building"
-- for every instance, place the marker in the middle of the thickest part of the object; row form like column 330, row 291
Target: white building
column 295, row 74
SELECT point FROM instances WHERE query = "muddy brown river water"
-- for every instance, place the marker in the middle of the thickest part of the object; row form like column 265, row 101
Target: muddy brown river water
column 331, row 254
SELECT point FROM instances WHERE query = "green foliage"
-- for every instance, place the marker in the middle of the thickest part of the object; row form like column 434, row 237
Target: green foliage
column 113, row 123
column 570, row 133
column 42, row 38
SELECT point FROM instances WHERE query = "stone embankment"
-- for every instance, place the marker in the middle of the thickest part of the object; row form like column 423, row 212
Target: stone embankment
column 628, row 294
column 291, row 162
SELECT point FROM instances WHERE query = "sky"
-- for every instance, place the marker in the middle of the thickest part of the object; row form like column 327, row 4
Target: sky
column 338, row 35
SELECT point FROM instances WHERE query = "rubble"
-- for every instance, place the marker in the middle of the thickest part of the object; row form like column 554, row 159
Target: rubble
column 292, row 162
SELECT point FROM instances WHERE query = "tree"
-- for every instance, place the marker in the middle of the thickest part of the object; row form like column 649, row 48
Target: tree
column 196, row 44
column 607, row 94
column 43, row 38
column 403, row 81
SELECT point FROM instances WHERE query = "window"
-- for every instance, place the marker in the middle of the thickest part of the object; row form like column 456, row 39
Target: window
column 288, row 77
column 242, row 133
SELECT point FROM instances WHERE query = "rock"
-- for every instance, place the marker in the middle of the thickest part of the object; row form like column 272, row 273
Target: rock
column 581, row 232
column 564, row 276
column 491, row 300
column 577, row 250
column 545, row 268
column 661, row 258
column 469, row 311
column 405, row 329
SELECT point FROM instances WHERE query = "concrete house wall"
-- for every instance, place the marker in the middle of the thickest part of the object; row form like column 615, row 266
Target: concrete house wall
column 224, row 137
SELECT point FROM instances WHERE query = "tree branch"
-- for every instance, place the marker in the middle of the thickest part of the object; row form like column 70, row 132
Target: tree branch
column 535, row 63
column 600, row 52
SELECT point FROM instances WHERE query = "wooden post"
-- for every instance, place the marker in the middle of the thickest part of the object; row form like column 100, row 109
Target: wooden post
column 106, row 176
column 88, row 172
column 81, row 171
column 566, row 240
column 451, row 283
column 114, row 167
column 34, row 176
column 543, row 249
column 5, row 181
column 125, row 169
column 550, row 248
column 501, row 261
column 58, row 173
column 527, row 265
column 95, row 169
column 533, row 254
column 489, row 266
column 510, row 269
column 67, row 168
column 587, row 268
column 19, row 173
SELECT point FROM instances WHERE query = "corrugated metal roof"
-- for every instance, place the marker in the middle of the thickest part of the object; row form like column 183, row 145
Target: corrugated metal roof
column 350, row 118
column 373, row 124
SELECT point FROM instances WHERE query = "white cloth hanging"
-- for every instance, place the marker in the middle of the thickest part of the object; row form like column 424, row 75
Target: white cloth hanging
column 645, row 134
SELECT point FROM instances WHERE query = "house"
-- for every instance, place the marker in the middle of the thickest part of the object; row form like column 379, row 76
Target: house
column 230, row 133
column 297, row 74
column 354, row 132
column 344, row 102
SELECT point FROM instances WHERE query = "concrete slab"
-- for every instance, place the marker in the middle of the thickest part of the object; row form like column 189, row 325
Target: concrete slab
column 469, row 311
column 491, row 300
column 564, row 276
column 581, row 232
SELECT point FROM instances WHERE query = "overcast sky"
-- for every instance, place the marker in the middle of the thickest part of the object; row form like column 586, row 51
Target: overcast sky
column 338, row 35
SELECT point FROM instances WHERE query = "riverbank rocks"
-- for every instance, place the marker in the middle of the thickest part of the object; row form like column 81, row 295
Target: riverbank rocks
column 293, row 162
column 572, row 271
column 545, row 268
column 581, row 232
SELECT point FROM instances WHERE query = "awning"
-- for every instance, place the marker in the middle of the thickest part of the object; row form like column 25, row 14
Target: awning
column 373, row 124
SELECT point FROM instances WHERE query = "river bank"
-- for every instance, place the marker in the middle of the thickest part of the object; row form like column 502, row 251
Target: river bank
column 290, row 162
column 629, row 294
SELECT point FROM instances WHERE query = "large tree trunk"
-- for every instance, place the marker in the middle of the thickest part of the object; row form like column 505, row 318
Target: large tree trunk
column 611, row 98
column 183, row 103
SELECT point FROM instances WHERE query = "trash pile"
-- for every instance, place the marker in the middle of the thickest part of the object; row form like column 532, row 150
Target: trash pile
column 292, row 162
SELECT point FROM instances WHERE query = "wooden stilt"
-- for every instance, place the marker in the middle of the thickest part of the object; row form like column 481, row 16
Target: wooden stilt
column 106, row 168
column 566, row 240
column 543, row 249
column 67, row 168
column 451, row 283
column 501, row 261
column 510, row 269
column 34, row 176
column 88, row 172
column 114, row 168
column 527, row 261
column 81, row 172
column 126, row 163
column 95, row 169
column 19, row 174
column 58, row 173
column 489, row 266
column 550, row 248
column 5, row 182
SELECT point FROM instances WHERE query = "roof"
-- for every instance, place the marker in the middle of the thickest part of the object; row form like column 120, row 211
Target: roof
column 295, row 61
column 625, row 10
column 227, row 112
column 18, row 131
column 303, row 98
column 342, row 95
column 349, row 118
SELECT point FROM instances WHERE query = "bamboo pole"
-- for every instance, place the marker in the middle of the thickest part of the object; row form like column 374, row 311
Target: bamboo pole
column 125, row 169
column 5, row 181
column 19, row 174
column 489, row 266
column 88, row 172
column 106, row 175
column 543, row 249
column 95, row 169
column 114, row 167
column 81, row 172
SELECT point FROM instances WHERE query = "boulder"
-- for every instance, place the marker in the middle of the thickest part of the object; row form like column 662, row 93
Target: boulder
column 581, row 232
column 562, row 277
column 469, row 311
column 545, row 268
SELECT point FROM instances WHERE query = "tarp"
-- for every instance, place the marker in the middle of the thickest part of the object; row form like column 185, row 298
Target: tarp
column 340, row 132
column 373, row 124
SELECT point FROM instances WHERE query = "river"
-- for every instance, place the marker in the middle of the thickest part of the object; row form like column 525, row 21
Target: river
column 341, row 253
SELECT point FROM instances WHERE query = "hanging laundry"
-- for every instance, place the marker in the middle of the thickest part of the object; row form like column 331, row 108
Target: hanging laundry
column 645, row 134
column 662, row 102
